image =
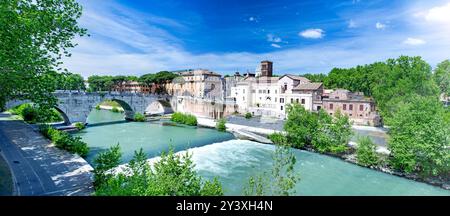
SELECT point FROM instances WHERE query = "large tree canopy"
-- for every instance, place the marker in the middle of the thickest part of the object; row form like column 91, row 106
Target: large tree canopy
column 34, row 37
column 442, row 76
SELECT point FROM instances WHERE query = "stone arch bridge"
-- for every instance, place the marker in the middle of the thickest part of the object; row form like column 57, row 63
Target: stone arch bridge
column 76, row 106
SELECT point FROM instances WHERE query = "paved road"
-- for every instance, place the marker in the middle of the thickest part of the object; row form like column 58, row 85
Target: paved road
column 39, row 168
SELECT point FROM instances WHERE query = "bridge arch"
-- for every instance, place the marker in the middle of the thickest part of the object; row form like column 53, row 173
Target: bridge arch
column 159, row 107
column 16, row 103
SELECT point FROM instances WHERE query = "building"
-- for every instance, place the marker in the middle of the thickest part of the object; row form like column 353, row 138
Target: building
column 360, row 109
column 197, row 83
column 132, row 86
column 266, row 95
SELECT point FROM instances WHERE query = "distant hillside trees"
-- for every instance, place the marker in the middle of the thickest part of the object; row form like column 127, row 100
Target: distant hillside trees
column 106, row 83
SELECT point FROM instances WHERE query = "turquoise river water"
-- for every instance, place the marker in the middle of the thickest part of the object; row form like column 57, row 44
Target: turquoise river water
column 234, row 161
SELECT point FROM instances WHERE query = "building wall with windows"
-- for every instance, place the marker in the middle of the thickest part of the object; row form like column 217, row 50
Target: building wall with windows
column 361, row 110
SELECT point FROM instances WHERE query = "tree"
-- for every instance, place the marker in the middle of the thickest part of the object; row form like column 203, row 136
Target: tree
column 283, row 177
column 172, row 175
column 70, row 81
column 366, row 154
column 35, row 36
column 315, row 77
column 220, row 126
column 420, row 137
column 300, row 125
column 442, row 76
column 399, row 80
column 104, row 162
column 333, row 133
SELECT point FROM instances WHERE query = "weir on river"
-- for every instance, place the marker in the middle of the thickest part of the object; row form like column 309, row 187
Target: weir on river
column 234, row 161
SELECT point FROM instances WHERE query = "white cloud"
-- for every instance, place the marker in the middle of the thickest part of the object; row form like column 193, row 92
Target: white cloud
column 379, row 25
column 273, row 38
column 439, row 14
column 312, row 33
column 414, row 41
column 351, row 24
column 275, row 45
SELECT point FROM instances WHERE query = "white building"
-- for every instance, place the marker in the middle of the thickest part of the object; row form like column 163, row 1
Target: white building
column 269, row 96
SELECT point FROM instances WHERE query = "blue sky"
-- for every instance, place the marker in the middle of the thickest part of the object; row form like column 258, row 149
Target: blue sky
column 145, row 36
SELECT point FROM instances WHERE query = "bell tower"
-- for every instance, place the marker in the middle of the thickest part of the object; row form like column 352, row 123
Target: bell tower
column 266, row 68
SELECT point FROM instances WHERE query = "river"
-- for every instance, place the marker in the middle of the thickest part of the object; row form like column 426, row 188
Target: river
column 234, row 161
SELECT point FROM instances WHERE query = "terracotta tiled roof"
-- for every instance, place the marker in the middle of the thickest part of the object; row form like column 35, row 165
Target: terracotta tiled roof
column 299, row 78
column 308, row 86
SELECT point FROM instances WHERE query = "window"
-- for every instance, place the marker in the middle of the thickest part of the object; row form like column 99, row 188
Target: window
column 281, row 107
column 275, row 100
column 344, row 107
column 303, row 101
column 275, row 91
column 292, row 100
column 243, row 98
column 361, row 107
column 350, row 114
column 268, row 91
column 296, row 100
column 350, row 107
column 259, row 91
column 281, row 100
column 243, row 91
column 331, row 106
column 285, row 87
column 253, row 91
column 264, row 91
column 318, row 108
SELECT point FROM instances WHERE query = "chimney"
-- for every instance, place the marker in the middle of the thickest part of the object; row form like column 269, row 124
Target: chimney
column 266, row 68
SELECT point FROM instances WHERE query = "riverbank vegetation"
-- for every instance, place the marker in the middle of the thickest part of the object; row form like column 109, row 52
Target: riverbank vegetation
column 320, row 131
column 182, row 118
column 32, row 114
column 172, row 175
column 64, row 140
column 220, row 125
column 366, row 154
column 80, row 126
column 139, row 117
column 248, row 115
column 406, row 92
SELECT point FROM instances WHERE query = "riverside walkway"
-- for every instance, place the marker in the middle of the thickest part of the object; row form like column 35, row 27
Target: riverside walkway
column 39, row 168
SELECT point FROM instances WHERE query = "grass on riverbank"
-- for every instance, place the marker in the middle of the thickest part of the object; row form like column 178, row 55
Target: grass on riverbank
column 182, row 118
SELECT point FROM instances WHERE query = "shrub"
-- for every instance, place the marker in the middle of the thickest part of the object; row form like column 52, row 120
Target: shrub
column 97, row 107
column 278, row 138
column 105, row 161
column 29, row 114
column 65, row 141
column 184, row 119
column 80, row 126
column 221, row 125
column 248, row 115
column 173, row 175
column 139, row 117
column 366, row 154
column 114, row 109
column 32, row 114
